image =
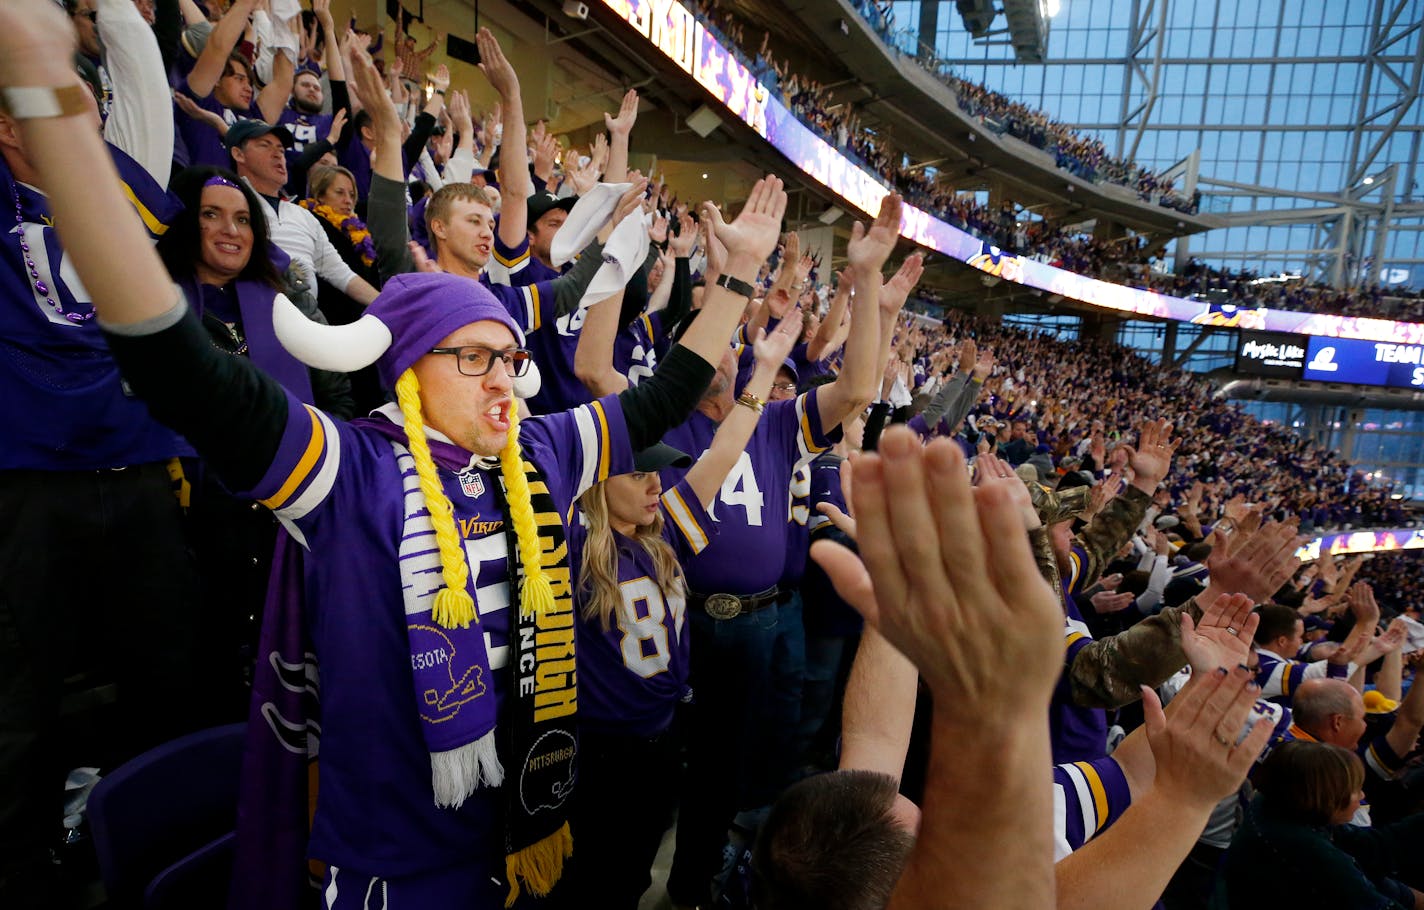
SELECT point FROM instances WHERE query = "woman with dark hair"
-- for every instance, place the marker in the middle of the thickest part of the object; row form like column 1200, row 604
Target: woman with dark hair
column 1295, row 842
column 219, row 252
column 633, row 644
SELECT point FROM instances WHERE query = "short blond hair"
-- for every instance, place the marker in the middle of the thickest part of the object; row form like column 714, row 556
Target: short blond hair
column 438, row 208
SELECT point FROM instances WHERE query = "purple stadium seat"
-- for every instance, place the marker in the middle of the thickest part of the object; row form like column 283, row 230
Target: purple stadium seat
column 163, row 823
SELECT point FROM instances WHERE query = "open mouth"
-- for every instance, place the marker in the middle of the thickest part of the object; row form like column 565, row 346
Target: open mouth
column 498, row 415
column 232, row 248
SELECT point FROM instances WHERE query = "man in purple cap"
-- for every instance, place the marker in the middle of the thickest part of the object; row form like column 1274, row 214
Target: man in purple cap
column 428, row 562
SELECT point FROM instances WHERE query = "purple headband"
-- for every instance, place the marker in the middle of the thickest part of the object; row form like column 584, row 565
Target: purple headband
column 219, row 180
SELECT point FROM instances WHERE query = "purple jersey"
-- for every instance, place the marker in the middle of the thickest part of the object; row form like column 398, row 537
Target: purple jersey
column 1077, row 732
column 634, row 350
column 205, row 146
column 1088, row 796
column 632, row 675
column 516, row 266
column 752, row 510
column 337, row 488
column 305, row 128
column 553, row 339
column 65, row 407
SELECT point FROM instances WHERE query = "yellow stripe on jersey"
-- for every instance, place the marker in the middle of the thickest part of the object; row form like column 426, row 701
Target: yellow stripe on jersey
column 511, row 262
column 808, row 438
column 1100, row 793
column 682, row 517
column 1285, row 668
column 155, row 227
column 602, row 440
column 1076, row 569
column 648, row 325
column 534, row 314
column 1076, row 636
column 304, row 465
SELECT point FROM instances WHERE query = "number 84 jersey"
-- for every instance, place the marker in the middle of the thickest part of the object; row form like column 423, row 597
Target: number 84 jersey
column 632, row 674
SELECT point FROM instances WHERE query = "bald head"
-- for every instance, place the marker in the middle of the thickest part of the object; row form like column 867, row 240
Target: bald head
column 1331, row 710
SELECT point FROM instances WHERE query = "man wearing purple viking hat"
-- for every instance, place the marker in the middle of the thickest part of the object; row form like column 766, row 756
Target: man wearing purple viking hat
column 428, row 553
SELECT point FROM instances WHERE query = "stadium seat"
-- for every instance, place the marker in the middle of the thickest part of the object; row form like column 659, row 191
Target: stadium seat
column 163, row 823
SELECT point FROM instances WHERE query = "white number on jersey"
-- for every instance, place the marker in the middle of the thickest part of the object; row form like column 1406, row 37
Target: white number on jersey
column 739, row 488
column 800, row 500
column 641, row 619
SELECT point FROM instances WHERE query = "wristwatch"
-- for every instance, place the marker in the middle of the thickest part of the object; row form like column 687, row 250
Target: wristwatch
column 736, row 286
column 39, row 102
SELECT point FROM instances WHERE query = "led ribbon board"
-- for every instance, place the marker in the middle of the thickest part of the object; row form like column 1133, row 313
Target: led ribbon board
column 677, row 34
column 1362, row 542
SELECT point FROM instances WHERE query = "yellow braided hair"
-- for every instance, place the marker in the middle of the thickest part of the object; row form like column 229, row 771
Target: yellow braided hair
column 454, row 607
column 536, row 595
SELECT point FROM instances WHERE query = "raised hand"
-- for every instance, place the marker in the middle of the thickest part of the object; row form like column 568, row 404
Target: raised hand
column 1363, row 605
column 599, row 153
column 843, row 522
column 422, row 262
column 868, row 248
column 771, row 350
column 990, row 471
column 584, row 176
column 1254, row 564
column 496, row 67
column 546, row 153
column 190, row 107
column 627, row 114
column 1111, row 602
column 968, row 353
column 984, row 365
column 658, row 229
column 752, row 236
column 1194, row 743
column 460, row 115
column 682, row 244
column 631, row 201
column 1152, row 458
column 895, row 291
column 366, row 84
column 338, row 123
column 1224, row 635
column 440, row 78
column 948, row 578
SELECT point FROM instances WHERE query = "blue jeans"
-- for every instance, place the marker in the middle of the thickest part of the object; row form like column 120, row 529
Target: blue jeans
column 731, row 675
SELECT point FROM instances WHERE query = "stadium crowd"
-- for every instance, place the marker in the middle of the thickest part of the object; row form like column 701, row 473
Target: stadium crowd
column 1084, row 156
column 1015, row 229
column 522, row 509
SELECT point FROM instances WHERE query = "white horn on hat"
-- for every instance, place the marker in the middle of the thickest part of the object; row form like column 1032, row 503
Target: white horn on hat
column 337, row 348
column 528, row 385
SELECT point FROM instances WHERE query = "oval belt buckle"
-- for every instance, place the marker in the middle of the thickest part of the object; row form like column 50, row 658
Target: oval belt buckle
column 723, row 606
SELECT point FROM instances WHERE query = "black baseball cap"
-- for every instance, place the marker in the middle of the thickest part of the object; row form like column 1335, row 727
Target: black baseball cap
column 243, row 130
column 660, row 455
column 541, row 204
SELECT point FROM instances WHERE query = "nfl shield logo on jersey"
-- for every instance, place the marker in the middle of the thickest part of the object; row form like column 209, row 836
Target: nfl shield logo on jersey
column 472, row 484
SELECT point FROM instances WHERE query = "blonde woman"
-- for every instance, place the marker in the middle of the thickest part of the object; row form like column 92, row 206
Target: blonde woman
column 633, row 643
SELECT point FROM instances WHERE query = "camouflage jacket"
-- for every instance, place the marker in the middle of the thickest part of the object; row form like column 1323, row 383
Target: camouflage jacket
column 1106, row 673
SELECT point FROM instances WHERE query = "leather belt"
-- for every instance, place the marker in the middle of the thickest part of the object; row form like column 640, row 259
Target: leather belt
column 730, row 606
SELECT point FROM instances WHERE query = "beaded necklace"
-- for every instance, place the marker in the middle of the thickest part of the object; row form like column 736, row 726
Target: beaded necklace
column 41, row 288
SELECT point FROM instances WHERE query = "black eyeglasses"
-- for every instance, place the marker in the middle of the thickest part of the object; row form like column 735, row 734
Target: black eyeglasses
column 783, row 386
column 477, row 360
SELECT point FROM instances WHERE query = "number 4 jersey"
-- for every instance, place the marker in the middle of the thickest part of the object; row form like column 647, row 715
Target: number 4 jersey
column 632, row 674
